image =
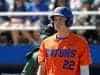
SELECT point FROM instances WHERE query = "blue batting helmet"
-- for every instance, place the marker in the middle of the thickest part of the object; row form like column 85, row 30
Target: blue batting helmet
column 65, row 12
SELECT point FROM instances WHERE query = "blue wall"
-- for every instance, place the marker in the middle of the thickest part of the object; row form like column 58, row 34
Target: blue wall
column 13, row 54
column 16, row 54
column 95, row 51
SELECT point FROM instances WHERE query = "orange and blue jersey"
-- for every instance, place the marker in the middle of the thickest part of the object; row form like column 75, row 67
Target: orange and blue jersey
column 64, row 57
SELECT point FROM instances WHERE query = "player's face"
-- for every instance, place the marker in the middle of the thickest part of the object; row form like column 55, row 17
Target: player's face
column 59, row 22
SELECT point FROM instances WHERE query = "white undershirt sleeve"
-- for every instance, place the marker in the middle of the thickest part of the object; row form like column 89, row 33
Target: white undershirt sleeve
column 84, row 70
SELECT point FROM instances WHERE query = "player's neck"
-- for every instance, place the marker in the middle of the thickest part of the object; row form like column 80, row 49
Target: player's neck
column 64, row 32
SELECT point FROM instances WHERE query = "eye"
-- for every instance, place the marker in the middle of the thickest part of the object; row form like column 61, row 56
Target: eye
column 59, row 18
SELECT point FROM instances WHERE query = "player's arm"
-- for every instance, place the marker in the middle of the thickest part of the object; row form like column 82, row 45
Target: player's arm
column 84, row 70
column 41, row 60
column 85, row 58
column 41, row 70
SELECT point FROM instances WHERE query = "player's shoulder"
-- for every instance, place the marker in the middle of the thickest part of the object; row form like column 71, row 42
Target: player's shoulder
column 49, row 38
column 80, row 39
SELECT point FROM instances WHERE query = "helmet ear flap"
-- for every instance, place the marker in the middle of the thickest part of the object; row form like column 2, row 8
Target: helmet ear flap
column 68, row 22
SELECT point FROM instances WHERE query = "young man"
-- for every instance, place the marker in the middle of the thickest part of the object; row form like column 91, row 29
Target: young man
column 64, row 53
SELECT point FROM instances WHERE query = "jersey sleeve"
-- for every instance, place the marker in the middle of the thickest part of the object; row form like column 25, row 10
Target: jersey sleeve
column 85, row 54
column 42, row 53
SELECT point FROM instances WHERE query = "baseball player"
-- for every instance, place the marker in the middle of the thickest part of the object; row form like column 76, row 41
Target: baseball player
column 64, row 53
